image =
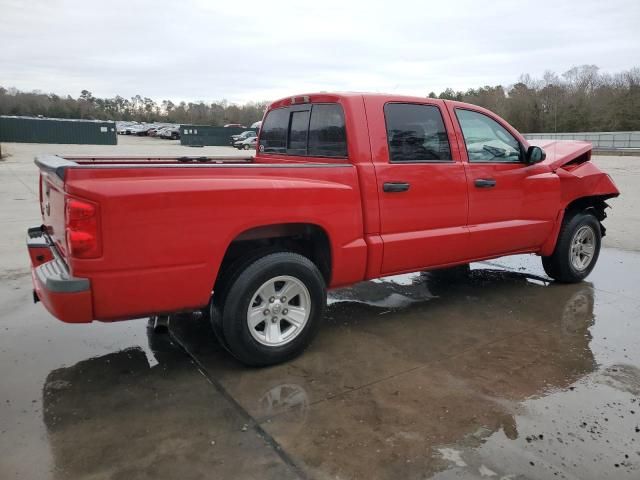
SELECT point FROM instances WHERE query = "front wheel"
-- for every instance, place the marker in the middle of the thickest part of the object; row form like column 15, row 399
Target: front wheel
column 577, row 249
column 273, row 309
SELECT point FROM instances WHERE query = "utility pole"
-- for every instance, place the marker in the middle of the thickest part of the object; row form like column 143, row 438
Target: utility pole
column 555, row 112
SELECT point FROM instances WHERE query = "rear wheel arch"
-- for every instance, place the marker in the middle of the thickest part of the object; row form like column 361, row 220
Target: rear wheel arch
column 307, row 239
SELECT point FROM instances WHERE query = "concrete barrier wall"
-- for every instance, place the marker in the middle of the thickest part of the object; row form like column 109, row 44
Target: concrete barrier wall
column 597, row 139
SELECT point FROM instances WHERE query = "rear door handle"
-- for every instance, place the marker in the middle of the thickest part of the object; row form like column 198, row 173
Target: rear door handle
column 485, row 182
column 395, row 187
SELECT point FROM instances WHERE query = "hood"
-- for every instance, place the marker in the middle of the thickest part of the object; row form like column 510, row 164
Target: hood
column 562, row 152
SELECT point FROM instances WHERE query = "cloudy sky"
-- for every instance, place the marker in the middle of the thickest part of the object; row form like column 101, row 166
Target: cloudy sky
column 241, row 51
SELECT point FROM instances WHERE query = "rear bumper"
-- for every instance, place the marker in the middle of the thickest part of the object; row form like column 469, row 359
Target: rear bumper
column 66, row 297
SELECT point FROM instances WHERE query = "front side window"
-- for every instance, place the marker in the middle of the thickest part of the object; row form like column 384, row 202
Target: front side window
column 486, row 140
column 273, row 138
column 416, row 133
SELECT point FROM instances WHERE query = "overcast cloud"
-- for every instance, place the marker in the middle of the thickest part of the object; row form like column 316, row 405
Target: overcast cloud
column 241, row 51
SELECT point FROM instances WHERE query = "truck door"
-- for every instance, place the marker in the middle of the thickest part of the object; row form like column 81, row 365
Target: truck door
column 421, row 181
column 512, row 205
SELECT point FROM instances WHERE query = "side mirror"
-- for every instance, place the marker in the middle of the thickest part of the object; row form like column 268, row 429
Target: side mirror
column 535, row 155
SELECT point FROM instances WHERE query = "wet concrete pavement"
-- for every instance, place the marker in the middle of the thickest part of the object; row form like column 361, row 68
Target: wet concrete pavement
column 108, row 401
column 497, row 373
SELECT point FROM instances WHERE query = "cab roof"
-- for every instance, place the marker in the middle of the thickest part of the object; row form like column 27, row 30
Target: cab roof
column 322, row 97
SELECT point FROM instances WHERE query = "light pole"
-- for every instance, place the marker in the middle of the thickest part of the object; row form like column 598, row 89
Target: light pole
column 555, row 108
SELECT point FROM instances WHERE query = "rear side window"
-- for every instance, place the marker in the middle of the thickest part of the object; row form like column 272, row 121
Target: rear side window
column 273, row 137
column 327, row 136
column 315, row 130
column 416, row 133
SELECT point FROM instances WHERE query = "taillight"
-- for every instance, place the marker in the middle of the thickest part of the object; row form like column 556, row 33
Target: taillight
column 82, row 229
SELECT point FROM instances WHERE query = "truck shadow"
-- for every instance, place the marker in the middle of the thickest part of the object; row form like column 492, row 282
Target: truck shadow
column 422, row 317
column 408, row 362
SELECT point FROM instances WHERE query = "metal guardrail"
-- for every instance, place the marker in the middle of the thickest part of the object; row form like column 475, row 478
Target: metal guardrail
column 599, row 140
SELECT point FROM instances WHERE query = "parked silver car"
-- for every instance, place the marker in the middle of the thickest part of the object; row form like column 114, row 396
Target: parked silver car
column 247, row 143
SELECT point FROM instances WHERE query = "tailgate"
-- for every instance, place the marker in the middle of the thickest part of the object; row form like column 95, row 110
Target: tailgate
column 52, row 199
column 52, row 206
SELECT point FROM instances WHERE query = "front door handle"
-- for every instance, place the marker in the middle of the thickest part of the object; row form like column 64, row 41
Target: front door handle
column 485, row 182
column 395, row 187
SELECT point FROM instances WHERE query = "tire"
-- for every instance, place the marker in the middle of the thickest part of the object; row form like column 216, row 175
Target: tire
column 569, row 263
column 223, row 286
column 246, row 147
column 272, row 338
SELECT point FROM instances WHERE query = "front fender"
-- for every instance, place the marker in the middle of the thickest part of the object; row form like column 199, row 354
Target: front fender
column 584, row 184
column 585, row 180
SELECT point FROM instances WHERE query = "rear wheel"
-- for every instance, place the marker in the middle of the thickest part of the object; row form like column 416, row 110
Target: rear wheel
column 272, row 308
column 246, row 147
column 577, row 249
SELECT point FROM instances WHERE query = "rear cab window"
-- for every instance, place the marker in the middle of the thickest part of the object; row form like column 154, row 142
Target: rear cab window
column 311, row 130
column 327, row 136
column 273, row 137
column 298, row 131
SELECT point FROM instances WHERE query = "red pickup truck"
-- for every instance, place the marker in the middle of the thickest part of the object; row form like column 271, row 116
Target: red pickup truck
column 343, row 188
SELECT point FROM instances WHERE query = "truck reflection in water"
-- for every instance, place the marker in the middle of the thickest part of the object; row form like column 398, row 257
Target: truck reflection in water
column 475, row 347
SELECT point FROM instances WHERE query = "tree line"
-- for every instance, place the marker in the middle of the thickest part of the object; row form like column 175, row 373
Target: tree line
column 137, row 108
column 580, row 99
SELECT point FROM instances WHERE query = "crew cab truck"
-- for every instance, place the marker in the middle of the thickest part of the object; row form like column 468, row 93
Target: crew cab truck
column 343, row 188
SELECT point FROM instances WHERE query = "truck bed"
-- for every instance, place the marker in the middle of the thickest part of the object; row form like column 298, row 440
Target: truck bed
column 165, row 223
